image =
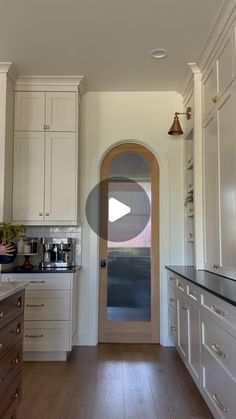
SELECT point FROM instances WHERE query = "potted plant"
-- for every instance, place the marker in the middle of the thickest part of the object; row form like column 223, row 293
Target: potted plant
column 8, row 236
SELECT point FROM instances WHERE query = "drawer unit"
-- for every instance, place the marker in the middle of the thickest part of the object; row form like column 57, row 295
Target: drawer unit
column 10, row 308
column 10, row 399
column 218, row 388
column 172, row 296
column 47, row 305
column 11, row 349
column 47, row 336
column 50, row 314
column 222, row 312
column 40, row 282
column 220, row 344
column 10, row 366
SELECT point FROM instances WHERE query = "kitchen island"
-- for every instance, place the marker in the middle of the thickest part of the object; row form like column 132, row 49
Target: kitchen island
column 11, row 346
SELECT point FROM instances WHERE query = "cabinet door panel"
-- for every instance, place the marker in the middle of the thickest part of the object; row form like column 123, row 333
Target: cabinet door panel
column 28, row 182
column 211, row 194
column 29, row 111
column 61, row 111
column 182, row 316
column 227, row 153
column 209, row 86
column 60, row 177
column 225, row 64
column 194, row 340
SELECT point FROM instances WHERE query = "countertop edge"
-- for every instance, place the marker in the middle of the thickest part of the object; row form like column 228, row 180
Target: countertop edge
column 10, row 288
column 195, row 282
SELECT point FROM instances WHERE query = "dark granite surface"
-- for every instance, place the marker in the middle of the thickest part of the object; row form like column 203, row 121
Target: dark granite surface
column 218, row 285
column 37, row 270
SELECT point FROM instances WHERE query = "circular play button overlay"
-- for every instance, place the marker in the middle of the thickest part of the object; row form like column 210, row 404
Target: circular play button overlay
column 118, row 209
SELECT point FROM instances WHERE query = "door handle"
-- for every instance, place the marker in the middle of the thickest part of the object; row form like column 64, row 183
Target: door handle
column 103, row 263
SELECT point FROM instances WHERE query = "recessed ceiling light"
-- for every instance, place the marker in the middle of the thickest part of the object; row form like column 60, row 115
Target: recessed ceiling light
column 158, row 53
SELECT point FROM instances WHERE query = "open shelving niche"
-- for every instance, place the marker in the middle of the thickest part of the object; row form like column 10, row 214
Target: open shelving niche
column 189, row 200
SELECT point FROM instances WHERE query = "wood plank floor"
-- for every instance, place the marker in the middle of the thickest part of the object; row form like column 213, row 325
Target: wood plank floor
column 112, row 381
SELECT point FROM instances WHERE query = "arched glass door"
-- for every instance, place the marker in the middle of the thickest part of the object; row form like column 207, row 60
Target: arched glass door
column 129, row 254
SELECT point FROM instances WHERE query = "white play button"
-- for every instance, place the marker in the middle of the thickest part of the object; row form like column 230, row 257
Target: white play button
column 117, row 210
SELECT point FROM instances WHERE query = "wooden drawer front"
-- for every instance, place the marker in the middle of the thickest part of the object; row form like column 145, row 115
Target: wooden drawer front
column 193, row 292
column 47, row 305
column 10, row 366
column 172, row 325
column 41, row 281
column 224, row 313
column 11, row 334
column 218, row 388
column 10, row 398
column 11, row 307
column 220, row 344
column 181, row 284
column 47, row 336
column 172, row 297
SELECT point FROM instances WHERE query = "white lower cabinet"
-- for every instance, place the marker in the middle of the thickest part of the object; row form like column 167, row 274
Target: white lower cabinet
column 50, row 327
column 205, row 338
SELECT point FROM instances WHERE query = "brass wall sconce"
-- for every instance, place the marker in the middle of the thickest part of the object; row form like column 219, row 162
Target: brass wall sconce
column 175, row 128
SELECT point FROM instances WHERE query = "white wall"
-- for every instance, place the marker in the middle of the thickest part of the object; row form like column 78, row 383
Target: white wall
column 108, row 118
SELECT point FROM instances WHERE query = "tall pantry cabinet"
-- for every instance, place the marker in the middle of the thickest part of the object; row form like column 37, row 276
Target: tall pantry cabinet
column 45, row 151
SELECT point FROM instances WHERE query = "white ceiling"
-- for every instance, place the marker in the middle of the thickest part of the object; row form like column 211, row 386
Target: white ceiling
column 107, row 41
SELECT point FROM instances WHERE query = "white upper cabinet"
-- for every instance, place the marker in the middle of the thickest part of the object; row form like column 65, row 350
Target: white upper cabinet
column 39, row 111
column 28, row 177
column 60, row 179
column 220, row 73
column 45, row 154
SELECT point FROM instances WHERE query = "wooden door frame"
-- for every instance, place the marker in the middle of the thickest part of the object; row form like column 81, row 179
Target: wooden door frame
column 142, row 332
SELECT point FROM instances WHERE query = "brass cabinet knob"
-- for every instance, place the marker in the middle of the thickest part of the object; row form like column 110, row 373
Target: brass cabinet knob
column 45, row 126
column 1, row 315
column 1, row 346
column 19, row 302
column 15, row 395
column 40, row 214
column 47, row 214
column 215, row 99
column 18, row 329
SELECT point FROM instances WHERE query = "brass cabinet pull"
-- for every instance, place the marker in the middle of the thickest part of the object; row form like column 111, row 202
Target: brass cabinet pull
column 179, row 285
column 216, row 266
column 45, row 126
column 217, row 310
column 215, row 99
column 1, row 315
column 15, row 395
column 16, row 360
column 1, row 346
column 47, row 214
column 191, row 292
column 40, row 214
column 18, row 329
column 19, row 302
column 37, row 282
column 172, row 300
column 184, row 307
column 35, row 305
column 219, row 404
column 34, row 336
column 171, row 278
column 218, row 351
column 172, row 328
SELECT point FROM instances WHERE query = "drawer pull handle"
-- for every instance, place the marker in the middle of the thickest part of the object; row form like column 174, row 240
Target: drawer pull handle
column 1, row 315
column 219, row 404
column 172, row 300
column 19, row 302
column 191, row 292
column 217, row 310
column 172, row 328
column 179, row 285
column 35, row 305
column 1, row 346
column 18, row 329
column 215, row 99
column 16, row 360
column 34, row 336
column 218, row 351
column 184, row 307
column 171, row 278
column 37, row 282
column 15, row 395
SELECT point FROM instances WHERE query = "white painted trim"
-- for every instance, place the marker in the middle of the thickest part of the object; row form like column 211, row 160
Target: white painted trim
column 9, row 69
column 49, row 80
column 90, row 336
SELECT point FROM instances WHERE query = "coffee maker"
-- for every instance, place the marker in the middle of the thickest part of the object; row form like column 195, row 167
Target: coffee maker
column 57, row 252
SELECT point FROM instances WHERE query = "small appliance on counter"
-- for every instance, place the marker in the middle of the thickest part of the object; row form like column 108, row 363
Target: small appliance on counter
column 57, row 252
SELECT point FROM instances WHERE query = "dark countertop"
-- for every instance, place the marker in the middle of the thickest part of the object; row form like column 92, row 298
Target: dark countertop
column 38, row 270
column 220, row 286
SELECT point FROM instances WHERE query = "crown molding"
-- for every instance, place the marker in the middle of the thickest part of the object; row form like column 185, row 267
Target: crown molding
column 49, row 80
column 9, row 69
